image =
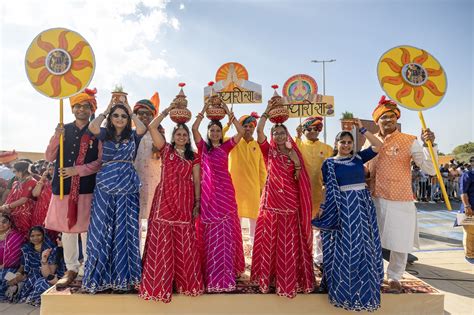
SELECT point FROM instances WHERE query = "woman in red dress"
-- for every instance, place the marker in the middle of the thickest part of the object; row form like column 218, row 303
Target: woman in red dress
column 42, row 192
column 171, row 255
column 20, row 203
column 283, row 235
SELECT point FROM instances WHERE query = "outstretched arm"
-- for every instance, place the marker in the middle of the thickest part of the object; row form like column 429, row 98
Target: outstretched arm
column 261, row 124
column 158, row 139
column 195, row 128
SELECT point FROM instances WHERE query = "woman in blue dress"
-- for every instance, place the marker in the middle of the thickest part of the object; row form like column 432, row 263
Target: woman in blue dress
column 353, row 266
column 52, row 268
column 113, row 255
column 34, row 269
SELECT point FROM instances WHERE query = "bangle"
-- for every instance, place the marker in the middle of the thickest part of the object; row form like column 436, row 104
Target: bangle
column 164, row 113
column 200, row 115
column 363, row 130
column 467, row 206
column 265, row 114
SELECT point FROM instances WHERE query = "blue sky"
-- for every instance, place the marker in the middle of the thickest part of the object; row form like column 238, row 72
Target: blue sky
column 150, row 46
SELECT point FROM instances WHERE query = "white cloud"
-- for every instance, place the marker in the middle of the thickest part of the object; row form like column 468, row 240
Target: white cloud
column 181, row 6
column 124, row 34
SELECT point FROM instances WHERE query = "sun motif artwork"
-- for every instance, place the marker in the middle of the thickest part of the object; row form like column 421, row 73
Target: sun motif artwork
column 299, row 88
column 59, row 63
column 232, row 73
column 412, row 77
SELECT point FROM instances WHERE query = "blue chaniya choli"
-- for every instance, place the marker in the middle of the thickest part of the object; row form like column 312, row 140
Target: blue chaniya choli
column 113, row 252
column 35, row 284
column 353, row 266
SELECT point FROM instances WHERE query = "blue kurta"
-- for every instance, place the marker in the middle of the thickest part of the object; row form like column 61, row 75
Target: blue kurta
column 113, row 260
column 353, row 266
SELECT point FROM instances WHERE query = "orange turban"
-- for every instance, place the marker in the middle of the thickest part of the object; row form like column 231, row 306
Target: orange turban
column 247, row 119
column 87, row 95
column 385, row 105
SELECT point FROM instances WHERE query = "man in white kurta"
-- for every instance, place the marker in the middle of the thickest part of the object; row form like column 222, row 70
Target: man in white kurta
column 390, row 184
column 147, row 162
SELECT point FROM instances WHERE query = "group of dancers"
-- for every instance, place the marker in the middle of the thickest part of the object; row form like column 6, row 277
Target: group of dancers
column 115, row 176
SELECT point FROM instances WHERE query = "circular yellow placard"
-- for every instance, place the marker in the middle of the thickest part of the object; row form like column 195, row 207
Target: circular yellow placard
column 59, row 63
column 412, row 77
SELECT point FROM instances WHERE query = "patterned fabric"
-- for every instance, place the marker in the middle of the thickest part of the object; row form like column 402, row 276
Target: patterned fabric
column 171, row 255
column 390, row 174
column 283, row 236
column 31, row 261
column 219, row 234
column 10, row 253
column 314, row 154
column 112, row 244
column 353, row 266
column 149, row 170
column 316, row 121
column 42, row 205
column 145, row 104
column 41, row 284
column 21, row 216
column 75, row 180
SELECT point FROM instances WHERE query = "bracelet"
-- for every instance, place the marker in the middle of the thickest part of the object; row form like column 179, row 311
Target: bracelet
column 265, row 114
column 164, row 113
column 467, row 206
column 363, row 130
column 200, row 115
column 297, row 168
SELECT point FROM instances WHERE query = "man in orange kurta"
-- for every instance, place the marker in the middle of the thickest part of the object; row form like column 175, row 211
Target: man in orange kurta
column 390, row 184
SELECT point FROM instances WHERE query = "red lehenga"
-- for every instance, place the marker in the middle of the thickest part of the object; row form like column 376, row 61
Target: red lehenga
column 42, row 205
column 21, row 216
column 283, row 236
column 171, row 255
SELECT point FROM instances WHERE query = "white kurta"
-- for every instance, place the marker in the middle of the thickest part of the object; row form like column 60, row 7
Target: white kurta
column 397, row 220
column 149, row 171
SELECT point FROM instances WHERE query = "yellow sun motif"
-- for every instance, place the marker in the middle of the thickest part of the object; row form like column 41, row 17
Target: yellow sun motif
column 59, row 63
column 412, row 77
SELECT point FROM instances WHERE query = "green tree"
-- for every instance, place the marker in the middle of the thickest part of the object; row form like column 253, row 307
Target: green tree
column 464, row 148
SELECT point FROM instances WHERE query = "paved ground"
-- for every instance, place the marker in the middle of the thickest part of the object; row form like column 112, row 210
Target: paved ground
column 440, row 262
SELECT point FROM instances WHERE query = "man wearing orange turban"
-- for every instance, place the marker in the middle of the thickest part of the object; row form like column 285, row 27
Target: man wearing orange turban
column 88, row 96
column 82, row 159
column 390, row 184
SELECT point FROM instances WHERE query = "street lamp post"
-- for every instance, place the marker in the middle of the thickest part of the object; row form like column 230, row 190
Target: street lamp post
column 324, row 87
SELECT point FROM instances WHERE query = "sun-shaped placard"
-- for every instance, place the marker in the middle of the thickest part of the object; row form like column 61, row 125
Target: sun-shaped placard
column 412, row 77
column 59, row 63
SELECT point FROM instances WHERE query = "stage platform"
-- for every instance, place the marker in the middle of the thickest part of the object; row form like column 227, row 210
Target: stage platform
column 418, row 298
